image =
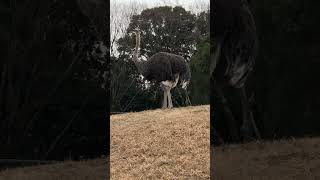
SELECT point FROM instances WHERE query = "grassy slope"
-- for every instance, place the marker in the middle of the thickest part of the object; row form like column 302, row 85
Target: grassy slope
column 167, row 144
column 69, row 170
column 161, row 144
column 174, row 144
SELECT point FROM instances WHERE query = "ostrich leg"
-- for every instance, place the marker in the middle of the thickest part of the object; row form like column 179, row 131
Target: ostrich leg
column 165, row 98
column 231, row 122
column 247, row 116
column 170, row 86
column 166, row 87
column 169, row 99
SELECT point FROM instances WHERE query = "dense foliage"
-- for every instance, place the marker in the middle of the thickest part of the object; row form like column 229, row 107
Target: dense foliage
column 285, row 79
column 51, row 103
column 199, row 64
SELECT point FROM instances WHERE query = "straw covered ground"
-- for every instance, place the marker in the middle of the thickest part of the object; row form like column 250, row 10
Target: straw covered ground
column 161, row 144
column 174, row 144
column 155, row 144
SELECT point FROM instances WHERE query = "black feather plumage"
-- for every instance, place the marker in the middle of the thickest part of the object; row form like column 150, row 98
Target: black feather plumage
column 234, row 30
column 164, row 66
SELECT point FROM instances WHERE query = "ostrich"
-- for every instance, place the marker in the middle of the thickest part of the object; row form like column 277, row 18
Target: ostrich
column 163, row 68
column 234, row 56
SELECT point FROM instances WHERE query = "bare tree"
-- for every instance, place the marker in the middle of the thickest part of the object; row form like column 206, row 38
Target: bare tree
column 122, row 12
column 120, row 16
column 199, row 6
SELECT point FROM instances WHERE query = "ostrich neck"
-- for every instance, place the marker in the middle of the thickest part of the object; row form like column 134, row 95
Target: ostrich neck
column 138, row 63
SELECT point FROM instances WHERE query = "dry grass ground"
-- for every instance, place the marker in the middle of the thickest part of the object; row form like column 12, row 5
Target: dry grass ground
column 69, row 170
column 296, row 159
column 161, row 144
column 174, row 144
column 158, row 144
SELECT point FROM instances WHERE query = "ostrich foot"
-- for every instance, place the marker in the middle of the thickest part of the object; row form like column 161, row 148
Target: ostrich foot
column 164, row 107
column 246, row 133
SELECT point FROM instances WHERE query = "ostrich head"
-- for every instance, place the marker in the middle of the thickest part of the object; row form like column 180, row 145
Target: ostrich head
column 185, row 84
column 137, row 31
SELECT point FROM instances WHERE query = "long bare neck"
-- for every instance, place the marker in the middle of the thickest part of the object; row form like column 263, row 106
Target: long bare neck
column 136, row 50
column 138, row 63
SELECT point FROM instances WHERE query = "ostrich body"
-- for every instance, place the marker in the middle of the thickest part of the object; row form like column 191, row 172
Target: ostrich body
column 236, row 48
column 164, row 68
